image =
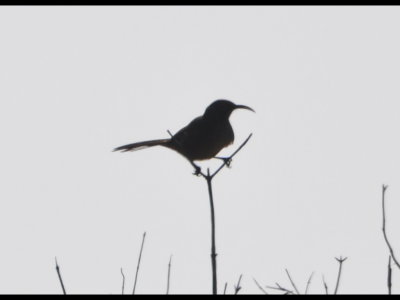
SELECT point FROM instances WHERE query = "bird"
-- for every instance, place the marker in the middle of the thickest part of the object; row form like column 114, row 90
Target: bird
column 202, row 139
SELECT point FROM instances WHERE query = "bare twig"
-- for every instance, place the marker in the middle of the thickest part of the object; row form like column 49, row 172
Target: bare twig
column 169, row 273
column 340, row 261
column 123, row 281
column 384, row 187
column 389, row 279
column 60, row 278
column 170, row 134
column 286, row 290
column 209, row 178
column 325, row 285
column 237, row 286
column 292, row 282
column 138, row 264
column 281, row 288
column 308, row 283
column 226, row 285
column 260, row 287
column 227, row 160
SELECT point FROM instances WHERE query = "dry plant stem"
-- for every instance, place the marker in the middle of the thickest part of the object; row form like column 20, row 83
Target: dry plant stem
column 169, row 273
column 60, row 278
column 260, row 287
column 281, row 288
column 340, row 261
column 325, row 285
column 123, row 281
column 308, row 283
column 292, row 282
column 285, row 290
column 226, row 285
column 209, row 177
column 384, row 187
column 389, row 279
column 237, row 286
column 138, row 264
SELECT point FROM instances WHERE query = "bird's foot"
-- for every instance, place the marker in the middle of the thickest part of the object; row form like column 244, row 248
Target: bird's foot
column 197, row 170
column 227, row 160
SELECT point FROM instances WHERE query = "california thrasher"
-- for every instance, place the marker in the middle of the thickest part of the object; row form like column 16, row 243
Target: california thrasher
column 202, row 138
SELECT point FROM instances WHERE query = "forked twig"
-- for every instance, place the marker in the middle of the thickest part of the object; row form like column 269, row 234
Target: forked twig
column 237, row 286
column 286, row 290
column 59, row 277
column 226, row 160
column 138, row 264
column 208, row 177
column 325, row 285
column 384, row 187
column 281, row 288
column 340, row 261
column 295, row 290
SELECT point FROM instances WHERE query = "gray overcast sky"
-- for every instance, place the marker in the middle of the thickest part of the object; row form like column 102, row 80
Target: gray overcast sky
column 78, row 81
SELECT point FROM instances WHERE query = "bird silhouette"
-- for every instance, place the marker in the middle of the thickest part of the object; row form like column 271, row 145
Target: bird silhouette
column 202, row 138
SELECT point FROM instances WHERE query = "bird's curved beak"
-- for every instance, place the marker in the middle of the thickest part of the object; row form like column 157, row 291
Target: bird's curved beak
column 244, row 107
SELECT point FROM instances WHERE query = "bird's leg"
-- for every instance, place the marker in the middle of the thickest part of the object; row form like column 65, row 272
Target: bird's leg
column 227, row 160
column 197, row 169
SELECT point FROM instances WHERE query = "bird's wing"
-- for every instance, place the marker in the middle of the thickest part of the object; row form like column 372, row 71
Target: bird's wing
column 193, row 130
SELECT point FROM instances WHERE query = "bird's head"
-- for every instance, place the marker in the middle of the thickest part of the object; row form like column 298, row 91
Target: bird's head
column 223, row 108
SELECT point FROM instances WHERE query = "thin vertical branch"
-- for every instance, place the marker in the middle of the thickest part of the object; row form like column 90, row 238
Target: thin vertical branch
column 123, row 281
column 292, row 282
column 169, row 273
column 138, row 264
column 237, row 286
column 60, row 278
column 389, row 279
column 384, row 187
column 226, row 285
column 308, row 283
column 213, row 247
column 340, row 261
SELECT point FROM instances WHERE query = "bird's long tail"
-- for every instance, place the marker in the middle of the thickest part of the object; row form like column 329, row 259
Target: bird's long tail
column 142, row 145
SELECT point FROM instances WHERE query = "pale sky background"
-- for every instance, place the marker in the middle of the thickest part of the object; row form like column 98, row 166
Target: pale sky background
column 78, row 81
